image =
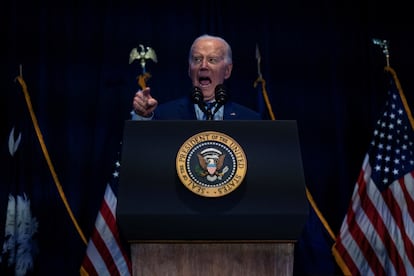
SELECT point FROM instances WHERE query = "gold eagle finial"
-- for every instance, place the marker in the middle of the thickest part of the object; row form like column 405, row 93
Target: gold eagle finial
column 142, row 55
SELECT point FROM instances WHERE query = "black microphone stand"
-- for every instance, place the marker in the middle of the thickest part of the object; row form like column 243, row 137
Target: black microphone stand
column 221, row 97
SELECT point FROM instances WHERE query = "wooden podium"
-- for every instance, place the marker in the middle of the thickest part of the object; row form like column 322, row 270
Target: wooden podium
column 213, row 258
column 173, row 231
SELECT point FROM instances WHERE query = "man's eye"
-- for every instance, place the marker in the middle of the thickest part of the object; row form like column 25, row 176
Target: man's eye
column 211, row 60
column 197, row 60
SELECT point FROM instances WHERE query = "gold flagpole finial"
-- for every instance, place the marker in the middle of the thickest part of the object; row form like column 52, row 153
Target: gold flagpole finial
column 142, row 55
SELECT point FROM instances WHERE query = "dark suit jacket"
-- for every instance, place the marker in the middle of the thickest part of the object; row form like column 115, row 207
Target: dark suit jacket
column 183, row 109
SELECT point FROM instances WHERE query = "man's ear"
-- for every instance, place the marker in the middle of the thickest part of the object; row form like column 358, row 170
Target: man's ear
column 229, row 67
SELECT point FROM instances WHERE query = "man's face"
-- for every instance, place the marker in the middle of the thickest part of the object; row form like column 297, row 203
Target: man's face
column 207, row 66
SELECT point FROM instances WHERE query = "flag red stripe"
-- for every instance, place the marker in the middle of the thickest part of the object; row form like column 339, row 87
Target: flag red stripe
column 409, row 194
column 376, row 217
column 108, row 213
column 88, row 266
column 408, row 243
column 358, row 234
column 104, row 252
column 356, row 231
column 398, row 216
column 100, row 243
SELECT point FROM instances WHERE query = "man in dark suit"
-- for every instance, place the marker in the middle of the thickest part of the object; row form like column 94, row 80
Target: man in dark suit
column 209, row 65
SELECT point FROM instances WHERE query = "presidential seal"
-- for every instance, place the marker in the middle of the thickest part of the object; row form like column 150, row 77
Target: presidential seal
column 211, row 164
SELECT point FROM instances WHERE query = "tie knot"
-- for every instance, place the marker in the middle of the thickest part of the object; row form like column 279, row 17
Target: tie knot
column 209, row 107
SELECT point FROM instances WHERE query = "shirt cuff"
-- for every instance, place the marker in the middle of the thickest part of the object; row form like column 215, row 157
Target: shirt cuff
column 136, row 117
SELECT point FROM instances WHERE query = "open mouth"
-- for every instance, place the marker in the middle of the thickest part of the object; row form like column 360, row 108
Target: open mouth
column 204, row 81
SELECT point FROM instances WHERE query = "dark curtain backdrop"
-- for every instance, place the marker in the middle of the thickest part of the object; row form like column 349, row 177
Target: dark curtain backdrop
column 319, row 63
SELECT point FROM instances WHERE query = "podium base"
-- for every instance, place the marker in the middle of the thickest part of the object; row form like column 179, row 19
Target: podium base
column 212, row 258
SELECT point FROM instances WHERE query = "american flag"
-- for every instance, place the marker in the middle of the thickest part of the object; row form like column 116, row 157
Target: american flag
column 105, row 254
column 377, row 234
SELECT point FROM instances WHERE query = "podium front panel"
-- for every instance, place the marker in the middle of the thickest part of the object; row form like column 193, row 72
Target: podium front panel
column 153, row 204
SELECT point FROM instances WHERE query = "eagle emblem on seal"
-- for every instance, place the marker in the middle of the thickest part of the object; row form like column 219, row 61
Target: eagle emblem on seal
column 211, row 162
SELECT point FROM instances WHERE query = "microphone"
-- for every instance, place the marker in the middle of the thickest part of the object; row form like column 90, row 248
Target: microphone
column 198, row 98
column 197, row 95
column 221, row 96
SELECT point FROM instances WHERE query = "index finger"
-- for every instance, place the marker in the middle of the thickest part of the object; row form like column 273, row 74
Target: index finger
column 146, row 92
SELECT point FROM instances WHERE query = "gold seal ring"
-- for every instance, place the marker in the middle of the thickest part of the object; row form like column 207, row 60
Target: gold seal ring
column 211, row 164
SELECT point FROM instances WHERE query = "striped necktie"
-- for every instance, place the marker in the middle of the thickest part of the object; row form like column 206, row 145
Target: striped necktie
column 209, row 111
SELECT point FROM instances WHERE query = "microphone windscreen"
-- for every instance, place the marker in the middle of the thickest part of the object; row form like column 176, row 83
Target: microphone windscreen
column 221, row 94
column 197, row 95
